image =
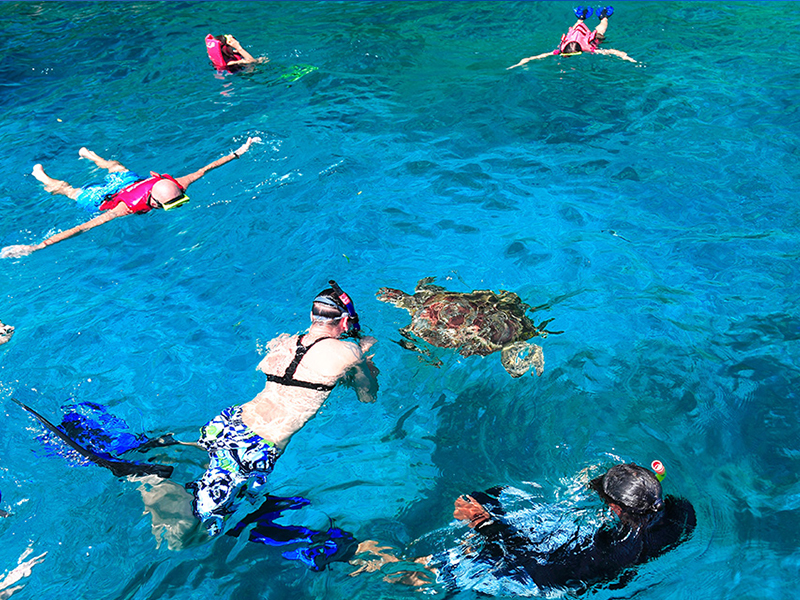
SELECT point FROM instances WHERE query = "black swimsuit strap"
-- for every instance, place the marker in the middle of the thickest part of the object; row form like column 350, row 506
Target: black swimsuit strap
column 320, row 387
column 288, row 376
column 299, row 354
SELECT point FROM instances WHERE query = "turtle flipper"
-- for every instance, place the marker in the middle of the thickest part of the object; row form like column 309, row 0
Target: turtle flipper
column 411, row 343
column 519, row 357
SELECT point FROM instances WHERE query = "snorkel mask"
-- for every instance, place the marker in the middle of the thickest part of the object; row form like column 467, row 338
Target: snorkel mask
column 175, row 202
column 355, row 326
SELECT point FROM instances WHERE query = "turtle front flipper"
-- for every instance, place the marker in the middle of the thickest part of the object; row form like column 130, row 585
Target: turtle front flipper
column 412, row 343
column 519, row 357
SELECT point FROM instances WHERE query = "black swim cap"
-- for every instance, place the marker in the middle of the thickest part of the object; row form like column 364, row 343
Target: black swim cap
column 632, row 487
column 327, row 305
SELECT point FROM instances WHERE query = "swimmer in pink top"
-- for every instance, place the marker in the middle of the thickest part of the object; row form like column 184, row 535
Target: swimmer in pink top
column 579, row 39
column 227, row 54
column 122, row 193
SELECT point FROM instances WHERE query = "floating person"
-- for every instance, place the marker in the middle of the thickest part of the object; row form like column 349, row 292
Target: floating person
column 579, row 39
column 479, row 322
column 94, row 436
column 541, row 547
column 123, row 193
column 227, row 54
column 6, row 331
column 244, row 441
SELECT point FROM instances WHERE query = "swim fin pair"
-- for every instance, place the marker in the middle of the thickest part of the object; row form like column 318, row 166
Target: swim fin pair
column 584, row 12
column 120, row 468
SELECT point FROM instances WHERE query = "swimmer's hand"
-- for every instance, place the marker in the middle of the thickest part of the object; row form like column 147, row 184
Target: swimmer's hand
column 367, row 342
column 470, row 510
column 19, row 250
column 246, row 146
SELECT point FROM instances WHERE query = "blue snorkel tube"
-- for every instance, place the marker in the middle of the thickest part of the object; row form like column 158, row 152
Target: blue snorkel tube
column 355, row 326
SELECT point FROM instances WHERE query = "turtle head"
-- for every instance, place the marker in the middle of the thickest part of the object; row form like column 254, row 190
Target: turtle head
column 392, row 296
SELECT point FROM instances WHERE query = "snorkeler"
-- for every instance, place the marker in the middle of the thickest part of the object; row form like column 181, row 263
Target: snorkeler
column 539, row 546
column 579, row 39
column 226, row 53
column 123, row 193
column 244, row 441
column 6, row 331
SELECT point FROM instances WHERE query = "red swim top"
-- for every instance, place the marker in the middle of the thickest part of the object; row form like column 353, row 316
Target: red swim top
column 220, row 53
column 579, row 33
column 135, row 195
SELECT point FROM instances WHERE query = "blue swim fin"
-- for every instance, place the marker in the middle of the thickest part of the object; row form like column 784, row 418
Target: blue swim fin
column 340, row 547
column 605, row 12
column 583, row 12
column 120, row 468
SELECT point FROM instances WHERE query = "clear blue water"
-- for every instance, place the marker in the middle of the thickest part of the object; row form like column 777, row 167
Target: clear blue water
column 649, row 209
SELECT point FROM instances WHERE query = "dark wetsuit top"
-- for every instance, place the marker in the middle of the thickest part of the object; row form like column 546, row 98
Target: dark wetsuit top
column 602, row 557
column 288, row 376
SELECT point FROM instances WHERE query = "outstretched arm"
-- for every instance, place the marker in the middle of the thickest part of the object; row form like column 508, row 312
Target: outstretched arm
column 23, row 249
column 187, row 180
column 529, row 59
column 612, row 52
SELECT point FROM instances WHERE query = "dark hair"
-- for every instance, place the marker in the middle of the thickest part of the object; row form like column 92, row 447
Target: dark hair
column 328, row 305
column 228, row 53
column 572, row 48
column 635, row 489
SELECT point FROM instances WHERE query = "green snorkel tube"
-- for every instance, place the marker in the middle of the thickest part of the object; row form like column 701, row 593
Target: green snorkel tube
column 659, row 469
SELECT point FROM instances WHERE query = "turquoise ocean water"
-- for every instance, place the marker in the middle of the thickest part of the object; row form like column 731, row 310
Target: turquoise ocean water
column 649, row 209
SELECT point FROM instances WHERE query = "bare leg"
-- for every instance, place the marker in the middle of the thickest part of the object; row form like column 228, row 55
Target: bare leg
column 170, row 507
column 112, row 166
column 54, row 186
column 601, row 29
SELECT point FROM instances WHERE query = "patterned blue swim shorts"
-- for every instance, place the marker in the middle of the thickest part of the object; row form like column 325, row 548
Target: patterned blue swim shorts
column 92, row 196
column 241, row 460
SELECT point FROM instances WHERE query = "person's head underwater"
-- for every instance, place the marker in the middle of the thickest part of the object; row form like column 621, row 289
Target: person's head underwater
column 633, row 492
column 332, row 307
column 571, row 49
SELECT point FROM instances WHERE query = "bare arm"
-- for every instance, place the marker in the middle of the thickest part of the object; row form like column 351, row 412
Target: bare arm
column 363, row 376
column 119, row 210
column 247, row 58
column 187, row 180
column 529, row 59
column 612, row 52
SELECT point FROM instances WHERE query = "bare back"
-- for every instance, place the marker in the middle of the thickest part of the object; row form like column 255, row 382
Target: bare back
column 280, row 410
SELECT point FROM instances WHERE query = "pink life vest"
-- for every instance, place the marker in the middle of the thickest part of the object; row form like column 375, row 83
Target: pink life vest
column 579, row 33
column 217, row 51
column 135, row 195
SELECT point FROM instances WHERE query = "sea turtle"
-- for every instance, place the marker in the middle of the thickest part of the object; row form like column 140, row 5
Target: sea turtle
column 479, row 322
column 6, row 331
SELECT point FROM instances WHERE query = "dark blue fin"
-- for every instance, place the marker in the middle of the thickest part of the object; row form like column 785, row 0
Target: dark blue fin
column 118, row 467
column 583, row 12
